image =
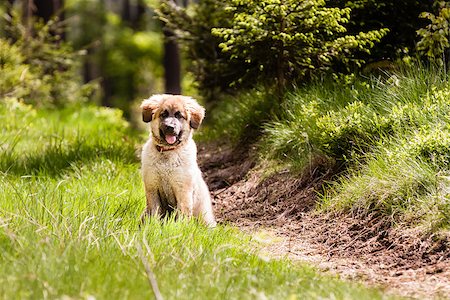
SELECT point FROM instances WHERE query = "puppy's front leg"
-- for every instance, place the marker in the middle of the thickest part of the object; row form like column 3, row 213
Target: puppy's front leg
column 153, row 205
column 185, row 200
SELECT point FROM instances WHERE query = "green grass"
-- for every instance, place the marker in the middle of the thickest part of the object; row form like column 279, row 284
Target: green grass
column 70, row 201
column 238, row 118
column 388, row 138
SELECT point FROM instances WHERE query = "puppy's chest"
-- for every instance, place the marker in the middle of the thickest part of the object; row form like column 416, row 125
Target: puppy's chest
column 167, row 174
column 168, row 163
column 168, row 168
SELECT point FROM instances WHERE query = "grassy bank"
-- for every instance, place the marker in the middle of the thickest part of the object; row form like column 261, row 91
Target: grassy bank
column 389, row 138
column 70, row 200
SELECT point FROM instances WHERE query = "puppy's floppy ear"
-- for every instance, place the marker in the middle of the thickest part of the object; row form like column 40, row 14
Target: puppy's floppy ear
column 196, row 111
column 149, row 106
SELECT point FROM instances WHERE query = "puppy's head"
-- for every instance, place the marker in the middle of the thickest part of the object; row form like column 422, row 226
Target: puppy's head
column 172, row 118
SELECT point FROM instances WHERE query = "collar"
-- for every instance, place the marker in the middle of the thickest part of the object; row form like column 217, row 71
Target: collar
column 164, row 149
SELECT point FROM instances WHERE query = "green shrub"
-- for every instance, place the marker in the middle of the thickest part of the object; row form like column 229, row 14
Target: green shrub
column 289, row 40
column 401, row 188
column 401, row 17
column 248, row 43
column 14, row 70
column 239, row 120
column 404, row 178
column 322, row 119
column 434, row 42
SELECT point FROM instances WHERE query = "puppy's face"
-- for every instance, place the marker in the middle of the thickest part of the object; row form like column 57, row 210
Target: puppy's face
column 172, row 118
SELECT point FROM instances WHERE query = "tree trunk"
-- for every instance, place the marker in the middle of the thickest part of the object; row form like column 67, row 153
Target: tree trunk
column 138, row 19
column 172, row 65
column 132, row 13
column 171, row 60
column 27, row 16
column 126, row 12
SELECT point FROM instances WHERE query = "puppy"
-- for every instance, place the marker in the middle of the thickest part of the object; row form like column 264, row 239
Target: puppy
column 172, row 178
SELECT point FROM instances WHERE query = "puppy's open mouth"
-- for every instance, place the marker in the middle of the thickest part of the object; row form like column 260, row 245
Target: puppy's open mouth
column 170, row 138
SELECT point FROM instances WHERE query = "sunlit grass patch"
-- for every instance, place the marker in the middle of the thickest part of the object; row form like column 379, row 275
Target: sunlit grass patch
column 49, row 142
column 187, row 260
column 81, row 238
column 70, row 203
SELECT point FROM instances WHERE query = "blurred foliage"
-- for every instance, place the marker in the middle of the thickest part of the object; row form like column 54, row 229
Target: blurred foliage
column 39, row 68
column 274, row 42
column 127, row 58
column 101, row 46
column 434, row 42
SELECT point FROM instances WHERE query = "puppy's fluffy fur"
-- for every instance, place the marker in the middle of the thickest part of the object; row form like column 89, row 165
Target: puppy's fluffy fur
column 172, row 178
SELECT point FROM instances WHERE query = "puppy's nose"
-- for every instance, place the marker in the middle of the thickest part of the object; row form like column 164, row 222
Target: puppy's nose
column 169, row 128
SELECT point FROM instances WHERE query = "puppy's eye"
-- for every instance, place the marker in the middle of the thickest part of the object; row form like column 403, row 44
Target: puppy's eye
column 178, row 115
column 165, row 114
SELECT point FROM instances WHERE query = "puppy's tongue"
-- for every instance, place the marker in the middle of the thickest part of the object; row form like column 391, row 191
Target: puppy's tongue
column 170, row 139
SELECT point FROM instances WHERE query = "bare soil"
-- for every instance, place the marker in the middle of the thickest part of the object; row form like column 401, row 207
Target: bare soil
column 367, row 248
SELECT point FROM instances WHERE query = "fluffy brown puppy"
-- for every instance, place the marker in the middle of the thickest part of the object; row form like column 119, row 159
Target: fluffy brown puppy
column 172, row 178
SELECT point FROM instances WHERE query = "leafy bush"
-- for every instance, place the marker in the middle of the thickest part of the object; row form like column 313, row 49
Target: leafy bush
column 322, row 119
column 288, row 40
column 239, row 120
column 246, row 43
column 401, row 17
column 434, row 42
column 13, row 70
column 404, row 178
column 403, row 189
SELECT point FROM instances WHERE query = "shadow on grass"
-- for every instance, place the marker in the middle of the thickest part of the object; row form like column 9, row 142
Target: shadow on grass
column 56, row 159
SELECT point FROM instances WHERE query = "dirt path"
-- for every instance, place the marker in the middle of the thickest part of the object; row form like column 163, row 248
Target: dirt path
column 369, row 249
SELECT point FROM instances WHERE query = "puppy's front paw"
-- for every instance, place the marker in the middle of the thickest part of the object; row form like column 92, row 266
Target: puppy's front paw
column 212, row 224
column 144, row 216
